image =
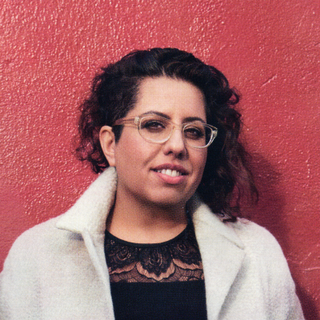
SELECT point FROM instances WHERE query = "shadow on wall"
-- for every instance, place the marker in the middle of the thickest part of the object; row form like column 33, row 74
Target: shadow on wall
column 270, row 213
column 308, row 304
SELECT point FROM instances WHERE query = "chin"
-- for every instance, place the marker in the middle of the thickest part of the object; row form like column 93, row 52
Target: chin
column 169, row 201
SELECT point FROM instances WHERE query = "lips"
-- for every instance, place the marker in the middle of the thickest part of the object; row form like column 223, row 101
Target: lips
column 171, row 170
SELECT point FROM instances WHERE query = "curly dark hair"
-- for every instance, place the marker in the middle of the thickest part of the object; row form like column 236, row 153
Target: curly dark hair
column 227, row 176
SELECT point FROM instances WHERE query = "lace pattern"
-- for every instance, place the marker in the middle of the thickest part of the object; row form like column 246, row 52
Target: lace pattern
column 176, row 260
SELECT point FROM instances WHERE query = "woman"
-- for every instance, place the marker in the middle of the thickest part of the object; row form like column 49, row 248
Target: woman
column 156, row 236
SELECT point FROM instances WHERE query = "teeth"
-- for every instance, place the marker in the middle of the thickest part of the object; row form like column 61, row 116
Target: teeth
column 168, row 172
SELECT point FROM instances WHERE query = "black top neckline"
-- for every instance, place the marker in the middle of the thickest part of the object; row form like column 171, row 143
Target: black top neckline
column 148, row 245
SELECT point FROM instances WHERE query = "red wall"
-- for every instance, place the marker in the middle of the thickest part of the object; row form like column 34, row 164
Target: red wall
column 269, row 50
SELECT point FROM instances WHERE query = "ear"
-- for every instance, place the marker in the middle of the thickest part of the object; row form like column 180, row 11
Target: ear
column 107, row 142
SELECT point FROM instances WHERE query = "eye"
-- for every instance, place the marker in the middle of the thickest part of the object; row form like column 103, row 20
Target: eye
column 194, row 132
column 153, row 125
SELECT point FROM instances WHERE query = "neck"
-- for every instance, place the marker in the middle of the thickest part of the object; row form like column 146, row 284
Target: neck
column 145, row 223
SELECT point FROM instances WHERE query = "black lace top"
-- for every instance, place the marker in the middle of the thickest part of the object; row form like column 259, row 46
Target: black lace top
column 156, row 281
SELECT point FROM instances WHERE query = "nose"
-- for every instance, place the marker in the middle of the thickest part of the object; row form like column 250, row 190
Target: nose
column 176, row 144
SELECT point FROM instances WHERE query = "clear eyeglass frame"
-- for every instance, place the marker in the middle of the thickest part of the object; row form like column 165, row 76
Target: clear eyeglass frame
column 139, row 120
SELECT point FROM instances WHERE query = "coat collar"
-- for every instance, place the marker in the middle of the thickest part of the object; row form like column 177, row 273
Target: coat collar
column 92, row 208
column 221, row 249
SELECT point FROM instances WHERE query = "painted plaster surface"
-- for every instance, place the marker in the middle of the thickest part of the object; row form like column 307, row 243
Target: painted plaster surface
column 269, row 50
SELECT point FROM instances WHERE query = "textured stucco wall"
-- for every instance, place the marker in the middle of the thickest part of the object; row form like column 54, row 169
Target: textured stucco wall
column 269, row 50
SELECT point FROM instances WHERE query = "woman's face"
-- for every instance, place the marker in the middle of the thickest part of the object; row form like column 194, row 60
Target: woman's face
column 138, row 161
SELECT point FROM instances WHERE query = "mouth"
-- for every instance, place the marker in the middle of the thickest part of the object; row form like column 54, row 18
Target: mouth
column 171, row 170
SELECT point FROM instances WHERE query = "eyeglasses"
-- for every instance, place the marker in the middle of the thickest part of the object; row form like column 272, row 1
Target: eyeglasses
column 158, row 129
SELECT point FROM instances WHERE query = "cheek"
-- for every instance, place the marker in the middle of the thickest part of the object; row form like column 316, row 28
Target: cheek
column 133, row 152
column 200, row 163
column 201, row 159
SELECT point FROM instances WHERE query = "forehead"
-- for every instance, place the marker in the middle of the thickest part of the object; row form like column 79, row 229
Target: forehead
column 174, row 97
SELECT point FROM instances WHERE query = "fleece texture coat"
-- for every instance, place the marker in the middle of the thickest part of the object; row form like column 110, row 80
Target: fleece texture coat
column 57, row 270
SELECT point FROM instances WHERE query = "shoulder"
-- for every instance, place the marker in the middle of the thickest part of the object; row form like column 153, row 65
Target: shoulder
column 264, row 257
column 260, row 245
column 261, row 250
column 245, row 234
column 25, row 262
column 36, row 235
column 37, row 244
column 254, row 235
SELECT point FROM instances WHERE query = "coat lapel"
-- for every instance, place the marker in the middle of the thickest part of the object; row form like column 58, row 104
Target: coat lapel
column 222, row 256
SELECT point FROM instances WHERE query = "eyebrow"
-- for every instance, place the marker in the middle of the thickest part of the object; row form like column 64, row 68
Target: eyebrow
column 188, row 119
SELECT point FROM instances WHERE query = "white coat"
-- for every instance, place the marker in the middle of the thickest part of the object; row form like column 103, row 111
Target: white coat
column 57, row 270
